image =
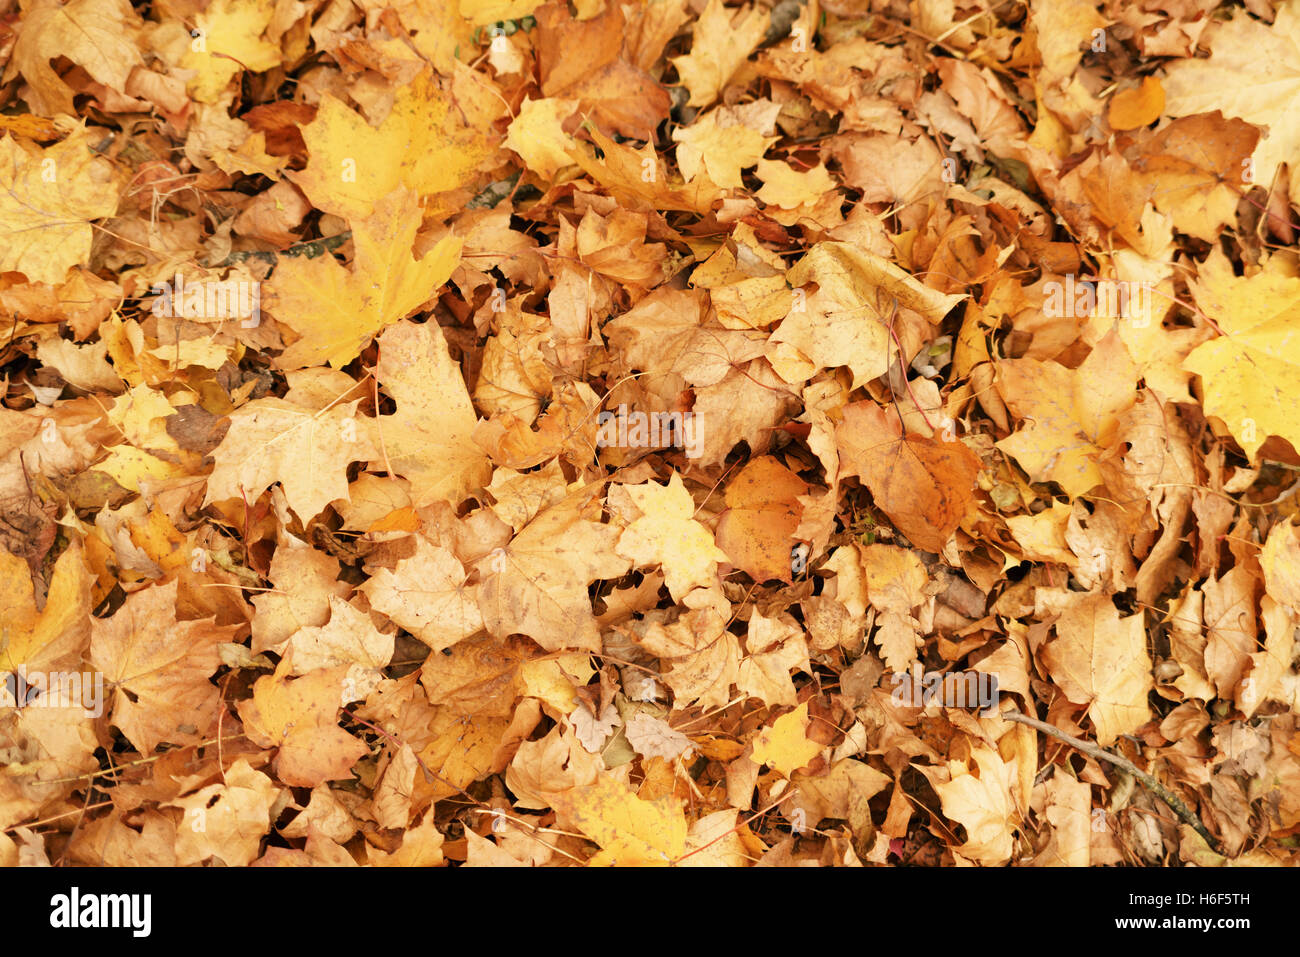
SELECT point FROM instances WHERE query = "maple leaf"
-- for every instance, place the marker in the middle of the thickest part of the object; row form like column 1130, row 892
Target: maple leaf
column 429, row 440
column 842, row 791
column 722, row 42
column 537, row 585
column 784, row 746
column 231, row 32
column 421, row 847
column 594, row 731
column 1137, row 107
column 555, row 764
column 474, row 209
column 306, row 449
column 788, row 188
column 615, row 94
column 478, row 676
column 1071, row 414
column 1280, row 562
column 757, row 529
column 981, row 802
column 299, row 716
column 894, row 579
column 1253, row 73
column 746, row 287
column 304, row 580
column 1101, row 660
column 847, row 321
column 774, row 646
column 426, row 594
column 336, row 310
column 1183, row 162
column 159, row 668
column 1250, row 370
column 631, row 832
column 653, row 737
column 705, row 656
column 924, row 485
column 44, row 219
column 666, row 533
column 226, row 820
column 537, row 134
column 95, row 34
column 634, row 177
column 351, row 640
column 723, row 143
column 421, row 146
column 1231, row 626
column 54, row 637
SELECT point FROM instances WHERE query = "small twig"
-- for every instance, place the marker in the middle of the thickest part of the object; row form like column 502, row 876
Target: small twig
column 118, row 768
column 903, row 365
column 1101, row 754
column 57, row 817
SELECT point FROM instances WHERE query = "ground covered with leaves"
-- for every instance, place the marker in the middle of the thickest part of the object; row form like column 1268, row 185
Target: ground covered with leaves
column 508, row 433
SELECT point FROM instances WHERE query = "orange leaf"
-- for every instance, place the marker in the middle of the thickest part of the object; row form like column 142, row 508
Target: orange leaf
column 924, row 485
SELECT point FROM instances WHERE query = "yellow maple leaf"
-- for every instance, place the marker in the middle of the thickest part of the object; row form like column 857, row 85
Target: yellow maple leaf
column 1101, row 660
column 636, row 179
column 47, row 201
column 981, row 802
column 721, row 145
column 1251, row 373
column 1070, row 415
column 668, row 534
column 159, row 668
column 421, row 144
column 300, row 717
column 227, row 40
column 429, row 440
column 55, row 636
column 846, row 321
column 788, row 188
column 95, row 34
column 437, row 30
column 538, row 136
column 482, row 12
column 336, row 310
column 537, row 585
column 1253, row 74
column 630, row 831
column 426, row 594
column 785, row 746
column 421, row 847
column 1280, row 560
column 235, row 812
column 305, row 449
column 723, row 40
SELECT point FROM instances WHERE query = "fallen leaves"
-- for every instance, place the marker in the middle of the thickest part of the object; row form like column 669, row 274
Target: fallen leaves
column 509, row 433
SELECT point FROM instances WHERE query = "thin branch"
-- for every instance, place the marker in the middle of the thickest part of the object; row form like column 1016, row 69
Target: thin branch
column 1101, row 754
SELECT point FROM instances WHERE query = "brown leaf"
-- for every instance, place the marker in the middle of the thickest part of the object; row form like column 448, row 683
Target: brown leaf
column 926, row 486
